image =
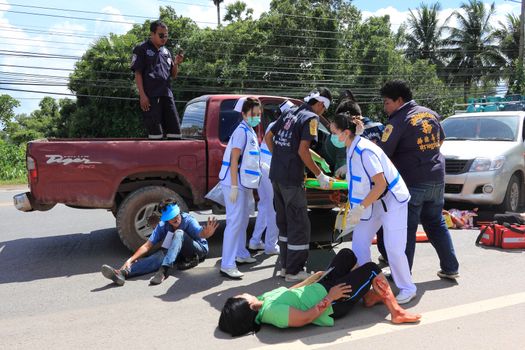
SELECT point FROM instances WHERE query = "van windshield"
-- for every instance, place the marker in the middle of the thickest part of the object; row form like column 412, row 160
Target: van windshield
column 486, row 128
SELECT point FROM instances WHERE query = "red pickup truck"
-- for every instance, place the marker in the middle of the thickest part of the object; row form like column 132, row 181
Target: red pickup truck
column 131, row 176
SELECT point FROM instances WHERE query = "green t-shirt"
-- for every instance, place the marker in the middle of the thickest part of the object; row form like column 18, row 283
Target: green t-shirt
column 276, row 305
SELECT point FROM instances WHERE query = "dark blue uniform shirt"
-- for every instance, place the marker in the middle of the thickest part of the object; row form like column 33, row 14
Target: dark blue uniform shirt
column 412, row 140
column 155, row 66
column 295, row 125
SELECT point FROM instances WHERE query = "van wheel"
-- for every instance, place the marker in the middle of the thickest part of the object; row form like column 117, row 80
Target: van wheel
column 138, row 214
column 513, row 195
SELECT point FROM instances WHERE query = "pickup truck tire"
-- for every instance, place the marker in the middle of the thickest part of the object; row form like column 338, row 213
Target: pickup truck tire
column 512, row 198
column 138, row 214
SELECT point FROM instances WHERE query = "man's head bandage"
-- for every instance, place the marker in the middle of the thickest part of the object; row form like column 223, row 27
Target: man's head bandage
column 239, row 104
column 286, row 105
column 317, row 96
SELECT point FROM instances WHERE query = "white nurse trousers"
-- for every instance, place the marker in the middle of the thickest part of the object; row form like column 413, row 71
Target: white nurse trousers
column 394, row 222
column 265, row 216
column 237, row 219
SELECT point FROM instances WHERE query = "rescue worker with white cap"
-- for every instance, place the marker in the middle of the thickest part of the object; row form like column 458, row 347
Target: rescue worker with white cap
column 378, row 197
column 239, row 175
column 289, row 141
column 265, row 210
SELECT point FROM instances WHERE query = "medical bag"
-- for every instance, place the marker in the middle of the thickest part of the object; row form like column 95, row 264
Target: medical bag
column 504, row 236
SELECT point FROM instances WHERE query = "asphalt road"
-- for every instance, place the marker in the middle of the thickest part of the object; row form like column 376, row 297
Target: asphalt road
column 53, row 295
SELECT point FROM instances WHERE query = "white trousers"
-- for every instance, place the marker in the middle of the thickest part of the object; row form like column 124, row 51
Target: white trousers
column 394, row 222
column 265, row 217
column 237, row 219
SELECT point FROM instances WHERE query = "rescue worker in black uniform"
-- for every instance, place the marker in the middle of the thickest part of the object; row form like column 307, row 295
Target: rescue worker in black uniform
column 289, row 142
column 412, row 140
column 154, row 67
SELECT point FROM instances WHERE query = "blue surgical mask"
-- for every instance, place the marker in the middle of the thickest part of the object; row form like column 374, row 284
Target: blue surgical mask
column 254, row 121
column 335, row 141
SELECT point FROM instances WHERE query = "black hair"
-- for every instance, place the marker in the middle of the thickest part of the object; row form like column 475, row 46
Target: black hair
column 322, row 92
column 165, row 203
column 395, row 89
column 155, row 24
column 346, row 122
column 237, row 318
column 348, row 106
column 250, row 103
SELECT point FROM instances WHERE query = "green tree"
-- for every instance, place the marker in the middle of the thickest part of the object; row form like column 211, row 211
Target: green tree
column 7, row 113
column 235, row 12
column 424, row 37
column 508, row 35
column 41, row 123
column 475, row 55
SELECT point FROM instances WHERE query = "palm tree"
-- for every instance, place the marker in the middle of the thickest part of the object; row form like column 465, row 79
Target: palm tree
column 474, row 52
column 425, row 35
column 218, row 4
column 508, row 35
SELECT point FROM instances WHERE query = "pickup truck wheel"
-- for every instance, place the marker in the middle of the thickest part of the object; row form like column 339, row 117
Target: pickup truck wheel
column 138, row 214
column 513, row 195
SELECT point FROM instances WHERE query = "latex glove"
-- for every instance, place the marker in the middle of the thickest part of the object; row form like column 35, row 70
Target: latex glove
column 354, row 216
column 265, row 167
column 324, row 180
column 234, row 192
column 341, row 172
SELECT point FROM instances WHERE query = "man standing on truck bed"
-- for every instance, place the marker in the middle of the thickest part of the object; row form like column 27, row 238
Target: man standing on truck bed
column 154, row 67
column 289, row 142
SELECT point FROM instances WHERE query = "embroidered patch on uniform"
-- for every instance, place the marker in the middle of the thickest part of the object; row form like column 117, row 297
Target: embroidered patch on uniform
column 387, row 132
column 150, row 52
column 164, row 50
column 133, row 59
column 313, row 127
column 169, row 61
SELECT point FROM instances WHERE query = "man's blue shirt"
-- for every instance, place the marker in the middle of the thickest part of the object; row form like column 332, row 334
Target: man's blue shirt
column 188, row 224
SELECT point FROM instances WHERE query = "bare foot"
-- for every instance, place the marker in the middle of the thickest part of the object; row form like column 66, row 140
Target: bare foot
column 404, row 316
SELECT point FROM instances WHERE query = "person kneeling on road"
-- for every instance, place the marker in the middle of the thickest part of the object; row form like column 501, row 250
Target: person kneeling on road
column 316, row 300
column 184, row 241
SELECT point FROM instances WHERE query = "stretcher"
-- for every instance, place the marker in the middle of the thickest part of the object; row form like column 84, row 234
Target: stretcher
column 336, row 185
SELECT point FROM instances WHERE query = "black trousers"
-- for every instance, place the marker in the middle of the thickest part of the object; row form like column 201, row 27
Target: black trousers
column 294, row 226
column 162, row 118
column 360, row 279
column 509, row 217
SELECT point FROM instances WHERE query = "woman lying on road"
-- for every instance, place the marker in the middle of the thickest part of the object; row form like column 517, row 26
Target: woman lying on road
column 313, row 300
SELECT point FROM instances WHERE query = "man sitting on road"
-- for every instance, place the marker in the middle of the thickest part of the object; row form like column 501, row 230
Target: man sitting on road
column 183, row 238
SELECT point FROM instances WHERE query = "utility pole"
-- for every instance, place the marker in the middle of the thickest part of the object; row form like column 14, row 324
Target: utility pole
column 522, row 31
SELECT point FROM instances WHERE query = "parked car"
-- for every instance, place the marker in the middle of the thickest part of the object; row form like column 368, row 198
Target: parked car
column 484, row 154
column 131, row 176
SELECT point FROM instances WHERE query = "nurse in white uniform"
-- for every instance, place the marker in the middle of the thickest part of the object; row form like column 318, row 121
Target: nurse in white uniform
column 265, row 209
column 240, row 174
column 378, row 197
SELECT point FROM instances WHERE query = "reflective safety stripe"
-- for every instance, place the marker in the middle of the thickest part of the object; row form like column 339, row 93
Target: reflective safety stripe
column 393, row 183
column 355, row 200
column 358, row 151
column 265, row 151
column 283, row 239
column 254, row 153
column 252, row 172
column 225, row 163
column 298, row 246
column 174, row 135
column 155, row 137
column 356, row 178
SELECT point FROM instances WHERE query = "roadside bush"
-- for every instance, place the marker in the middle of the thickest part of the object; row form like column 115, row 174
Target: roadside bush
column 12, row 162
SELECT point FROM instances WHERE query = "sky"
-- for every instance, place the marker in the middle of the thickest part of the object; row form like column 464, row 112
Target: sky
column 28, row 31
